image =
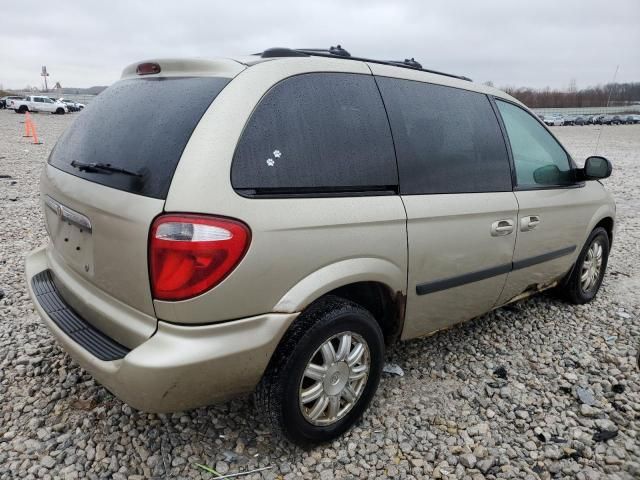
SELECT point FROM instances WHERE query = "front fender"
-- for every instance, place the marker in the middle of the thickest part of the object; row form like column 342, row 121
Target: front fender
column 340, row 274
column 607, row 210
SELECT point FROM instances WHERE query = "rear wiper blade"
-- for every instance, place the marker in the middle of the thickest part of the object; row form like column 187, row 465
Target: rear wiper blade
column 102, row 167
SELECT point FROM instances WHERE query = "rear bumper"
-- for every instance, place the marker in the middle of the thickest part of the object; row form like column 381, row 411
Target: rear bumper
column 178, row 367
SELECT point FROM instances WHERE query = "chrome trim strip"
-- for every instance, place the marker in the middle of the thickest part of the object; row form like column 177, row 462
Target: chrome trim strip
column 68, row 215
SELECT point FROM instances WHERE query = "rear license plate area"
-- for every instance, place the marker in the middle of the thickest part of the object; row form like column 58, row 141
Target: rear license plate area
column 70, row 234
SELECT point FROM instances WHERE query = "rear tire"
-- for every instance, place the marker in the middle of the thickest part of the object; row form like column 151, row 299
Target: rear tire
column 585, row 279
column 312, row 392
column 60, row 111
column 22, row 109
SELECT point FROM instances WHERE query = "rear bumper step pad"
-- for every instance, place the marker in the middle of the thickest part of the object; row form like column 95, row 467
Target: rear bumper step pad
column 77, row 328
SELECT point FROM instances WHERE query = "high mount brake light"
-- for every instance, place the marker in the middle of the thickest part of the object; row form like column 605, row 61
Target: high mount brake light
column 148, row 68
column 190, row 254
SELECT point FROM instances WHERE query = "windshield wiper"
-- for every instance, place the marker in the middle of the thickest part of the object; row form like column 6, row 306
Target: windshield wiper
column 102, row 167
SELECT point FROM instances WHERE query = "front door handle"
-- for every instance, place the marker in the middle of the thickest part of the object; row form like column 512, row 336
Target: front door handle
column 529, row 223
column 502, row 227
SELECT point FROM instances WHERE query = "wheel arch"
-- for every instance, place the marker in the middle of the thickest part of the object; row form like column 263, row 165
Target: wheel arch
column 603, row 218
column 608, row 224
column 376, row 284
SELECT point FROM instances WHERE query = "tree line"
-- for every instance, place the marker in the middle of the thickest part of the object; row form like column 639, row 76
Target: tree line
column 615, row 94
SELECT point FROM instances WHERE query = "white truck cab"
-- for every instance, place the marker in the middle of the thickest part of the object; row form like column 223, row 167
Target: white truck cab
column 39, row 103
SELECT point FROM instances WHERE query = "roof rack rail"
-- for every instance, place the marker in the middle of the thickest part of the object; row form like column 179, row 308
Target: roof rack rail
column 407, row 62
column 339, row 52
column 281, row 52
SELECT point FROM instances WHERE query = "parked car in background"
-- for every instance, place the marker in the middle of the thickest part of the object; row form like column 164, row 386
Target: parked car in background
column 73, row 106
column 597, row 119
column 631, row 119
column 277, row 237
column 581, row 120
column 612, row 120
column 8, row 100
column 39, row 103
column 569, row 120
column 553, row 120
column 3, row 103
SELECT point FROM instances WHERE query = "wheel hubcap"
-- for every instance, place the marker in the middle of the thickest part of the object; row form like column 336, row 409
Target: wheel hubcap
column 591, row 266
column 334, row 378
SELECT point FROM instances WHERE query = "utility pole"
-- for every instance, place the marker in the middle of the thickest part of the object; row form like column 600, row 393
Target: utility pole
column 44, row 74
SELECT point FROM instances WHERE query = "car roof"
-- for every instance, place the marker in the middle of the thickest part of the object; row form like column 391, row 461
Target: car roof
column 230, row 67
column 408, row 69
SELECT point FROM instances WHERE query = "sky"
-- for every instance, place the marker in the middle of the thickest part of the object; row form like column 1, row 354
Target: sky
column 509, row 42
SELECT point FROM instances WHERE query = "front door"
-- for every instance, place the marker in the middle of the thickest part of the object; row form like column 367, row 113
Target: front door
column 37, row 105
column 48, row 105
column 455, row 182
column 554, row 208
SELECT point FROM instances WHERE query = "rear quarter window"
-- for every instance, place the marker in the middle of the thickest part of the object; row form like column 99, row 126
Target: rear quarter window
column 141, row 125
column 317, row 133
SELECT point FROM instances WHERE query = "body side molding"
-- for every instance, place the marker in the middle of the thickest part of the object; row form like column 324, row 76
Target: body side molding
column 546, row 257
column 430, row 287
column 446, row 283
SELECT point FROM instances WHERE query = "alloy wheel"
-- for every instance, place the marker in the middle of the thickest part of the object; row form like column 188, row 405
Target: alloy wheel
column 334, row 378
column 591, row 266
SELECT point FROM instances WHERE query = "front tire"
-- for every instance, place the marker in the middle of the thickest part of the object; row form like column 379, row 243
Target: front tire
column 324, row 373
column 60, row 111
column 586, row 277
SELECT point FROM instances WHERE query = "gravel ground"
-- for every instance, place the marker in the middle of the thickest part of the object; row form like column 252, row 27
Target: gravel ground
column 496, row 397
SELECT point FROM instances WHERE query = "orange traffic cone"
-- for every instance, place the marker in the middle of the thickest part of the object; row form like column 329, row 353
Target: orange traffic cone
column 35, row 135
column 28, row 126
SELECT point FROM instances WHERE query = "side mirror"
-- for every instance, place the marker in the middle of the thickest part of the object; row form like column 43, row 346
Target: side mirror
column 547, row 175
column 596, row 168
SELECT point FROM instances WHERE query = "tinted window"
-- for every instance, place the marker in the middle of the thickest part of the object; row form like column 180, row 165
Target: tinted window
column 538, row 157
column 317, row 132
column 141, row 125
column 447, row 140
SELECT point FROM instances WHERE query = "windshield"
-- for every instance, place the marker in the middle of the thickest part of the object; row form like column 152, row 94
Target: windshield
column 141, row 125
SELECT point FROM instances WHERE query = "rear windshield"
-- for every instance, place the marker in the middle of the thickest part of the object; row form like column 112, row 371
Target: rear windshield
column 140, row 126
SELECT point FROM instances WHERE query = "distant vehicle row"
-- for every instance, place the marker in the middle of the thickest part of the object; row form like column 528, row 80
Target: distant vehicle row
column 556, row 120
column 39, row 103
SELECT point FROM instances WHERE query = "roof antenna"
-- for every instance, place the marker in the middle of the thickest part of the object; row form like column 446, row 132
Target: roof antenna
column 608, row 101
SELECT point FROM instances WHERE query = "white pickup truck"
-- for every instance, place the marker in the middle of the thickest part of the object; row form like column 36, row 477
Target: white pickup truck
column 38, row 103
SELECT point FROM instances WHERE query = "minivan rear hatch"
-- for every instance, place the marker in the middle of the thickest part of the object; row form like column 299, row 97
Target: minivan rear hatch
column 108, row 177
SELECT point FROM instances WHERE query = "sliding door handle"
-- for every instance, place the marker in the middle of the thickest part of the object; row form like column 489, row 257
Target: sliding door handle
column 502, row 227
column 529, row 223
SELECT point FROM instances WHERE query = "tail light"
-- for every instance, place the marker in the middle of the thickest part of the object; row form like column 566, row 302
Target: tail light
column 190, row 254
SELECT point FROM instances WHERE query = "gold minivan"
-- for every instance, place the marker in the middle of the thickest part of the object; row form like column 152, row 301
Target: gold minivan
column 270, row 223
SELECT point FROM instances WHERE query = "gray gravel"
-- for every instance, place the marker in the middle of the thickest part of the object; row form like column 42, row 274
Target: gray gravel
column 449, row 416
